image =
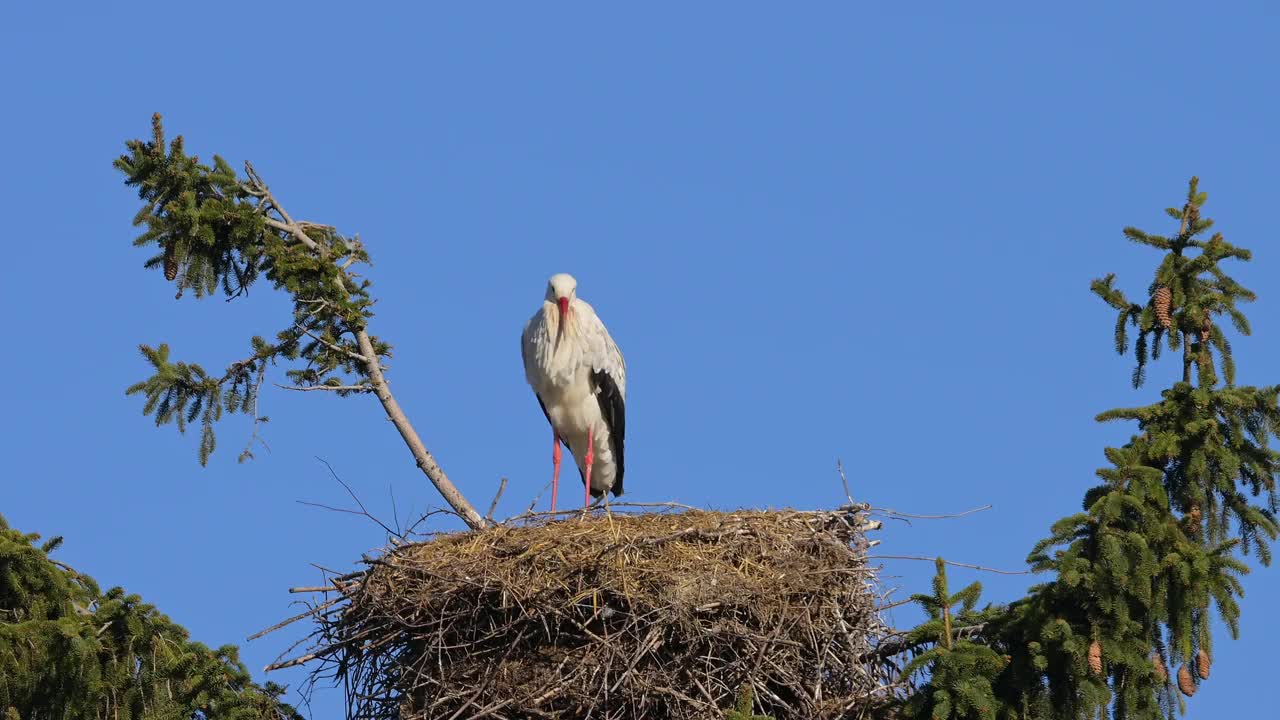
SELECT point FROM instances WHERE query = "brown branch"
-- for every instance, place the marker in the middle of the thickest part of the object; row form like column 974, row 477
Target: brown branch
column 488, row 517
column 1187, row 360
column 949, row 562
column 328, row 388
column 946, row 624
column 1186, row 336
column 332, row 346
column 422, row 457
column 844, row 480
column 363, row 510
column 291, row 663
column 890, row 648
column 369, row 356
column 295, row 618
column 946, row 516
column 65, row 566
column 331, row 508
column 332, row 587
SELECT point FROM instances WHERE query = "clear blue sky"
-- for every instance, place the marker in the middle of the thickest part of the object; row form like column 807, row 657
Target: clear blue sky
column 830, row 232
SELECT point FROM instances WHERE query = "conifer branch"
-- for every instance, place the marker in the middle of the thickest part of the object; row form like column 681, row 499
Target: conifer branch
column 216, row 230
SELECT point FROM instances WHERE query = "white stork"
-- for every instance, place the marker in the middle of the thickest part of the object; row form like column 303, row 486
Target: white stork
column 580, row 379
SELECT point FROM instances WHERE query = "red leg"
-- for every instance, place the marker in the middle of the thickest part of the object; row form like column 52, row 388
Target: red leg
column 555, row 460
column 591, row 456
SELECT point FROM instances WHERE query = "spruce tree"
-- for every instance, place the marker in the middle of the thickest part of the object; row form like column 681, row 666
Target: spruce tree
column 1122, row 627
column 70, row 650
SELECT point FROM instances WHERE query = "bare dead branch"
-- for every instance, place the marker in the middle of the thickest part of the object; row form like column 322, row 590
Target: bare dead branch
column 295, row 618
column 424, row 460
column 488, row 517
column 369, row 357
column 949, row 562
column 363, row 511
column 844, row 480
column 945, row 516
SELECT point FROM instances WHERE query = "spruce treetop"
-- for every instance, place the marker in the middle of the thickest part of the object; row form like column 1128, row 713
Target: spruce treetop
column 1135, row 577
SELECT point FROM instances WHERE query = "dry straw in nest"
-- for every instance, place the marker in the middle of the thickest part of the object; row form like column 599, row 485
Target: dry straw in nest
column 655, row 615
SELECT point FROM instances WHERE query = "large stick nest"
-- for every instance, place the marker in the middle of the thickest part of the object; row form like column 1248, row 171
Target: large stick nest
column 654, row 615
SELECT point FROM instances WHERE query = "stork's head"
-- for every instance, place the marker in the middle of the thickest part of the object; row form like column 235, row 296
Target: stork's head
column 561, row 290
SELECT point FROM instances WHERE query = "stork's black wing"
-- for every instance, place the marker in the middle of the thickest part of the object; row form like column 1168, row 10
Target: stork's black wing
column 614, row 411
column 543, row 405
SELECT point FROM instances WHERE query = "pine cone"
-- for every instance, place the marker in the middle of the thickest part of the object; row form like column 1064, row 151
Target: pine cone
column 1193, row 518
column 1202, row 665
column 1206, row 330
column 1095, row 657
column 170, row 264
column 1185, row 683
column 1163, row 301
column 1157, row 664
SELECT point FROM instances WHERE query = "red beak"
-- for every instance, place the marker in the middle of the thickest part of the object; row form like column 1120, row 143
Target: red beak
column 564, row 307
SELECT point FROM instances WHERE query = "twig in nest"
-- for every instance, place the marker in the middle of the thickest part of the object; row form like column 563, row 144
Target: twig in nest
column 362, row 511
column 949, row 562
column 395, row 512
column 536, row 498
column 295, row 618
column 488, row 517
column 844, row 480
column 946, row 516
